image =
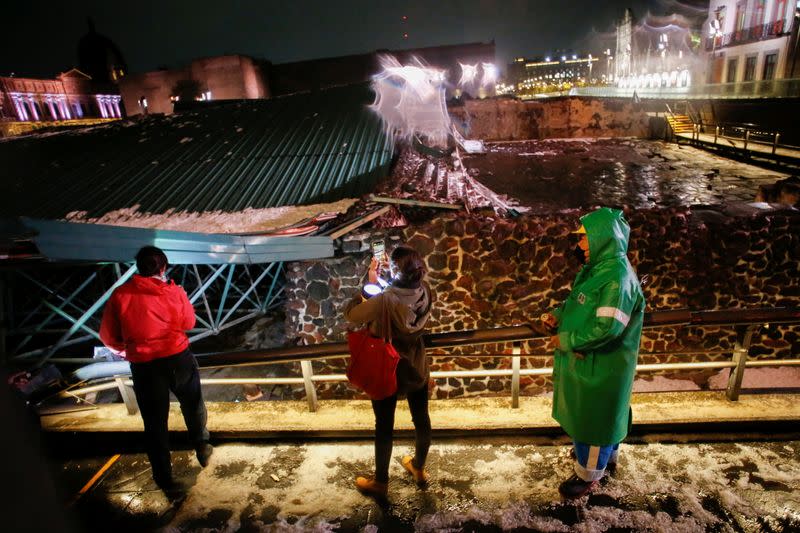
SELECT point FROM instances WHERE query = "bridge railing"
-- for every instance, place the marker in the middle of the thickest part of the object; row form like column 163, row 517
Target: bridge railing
column 754, row 139
column 747, row 324
column 777, row 88
column 758, row 32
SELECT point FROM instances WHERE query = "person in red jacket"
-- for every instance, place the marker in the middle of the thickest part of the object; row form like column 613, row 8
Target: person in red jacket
column 147, row 318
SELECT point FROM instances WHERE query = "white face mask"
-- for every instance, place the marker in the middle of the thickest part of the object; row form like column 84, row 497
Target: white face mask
column 162, row 277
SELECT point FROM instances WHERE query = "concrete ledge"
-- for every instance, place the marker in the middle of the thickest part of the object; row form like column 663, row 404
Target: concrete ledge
column 343, row 418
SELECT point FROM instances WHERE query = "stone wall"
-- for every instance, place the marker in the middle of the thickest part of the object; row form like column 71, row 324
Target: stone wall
column 504, row 119
column 492, row 272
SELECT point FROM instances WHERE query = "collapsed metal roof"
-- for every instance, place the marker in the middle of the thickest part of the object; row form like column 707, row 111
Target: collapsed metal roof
column 59, row 241
column 300, row 149
column 65, row 241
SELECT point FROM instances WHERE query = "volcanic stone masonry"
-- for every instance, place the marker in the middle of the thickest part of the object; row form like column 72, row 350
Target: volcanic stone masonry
column 489, row 272
column 501, row 119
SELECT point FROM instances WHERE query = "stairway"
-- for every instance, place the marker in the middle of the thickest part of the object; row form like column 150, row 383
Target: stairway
column 680, row 123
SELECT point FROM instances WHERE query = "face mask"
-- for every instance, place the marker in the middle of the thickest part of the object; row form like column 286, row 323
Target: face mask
column 579, row 254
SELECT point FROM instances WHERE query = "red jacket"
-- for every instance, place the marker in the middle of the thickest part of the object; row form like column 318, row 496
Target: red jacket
column 147, row 318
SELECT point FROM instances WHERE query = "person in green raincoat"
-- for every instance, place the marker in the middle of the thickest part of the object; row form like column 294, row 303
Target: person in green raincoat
column 599, row 327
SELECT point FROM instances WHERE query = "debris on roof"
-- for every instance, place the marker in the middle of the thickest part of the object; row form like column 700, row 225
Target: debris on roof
column 441, row 179
column 249, row 220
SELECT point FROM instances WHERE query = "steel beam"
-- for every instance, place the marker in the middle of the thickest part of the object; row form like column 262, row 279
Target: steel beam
column 89, row 312
column 64, row 302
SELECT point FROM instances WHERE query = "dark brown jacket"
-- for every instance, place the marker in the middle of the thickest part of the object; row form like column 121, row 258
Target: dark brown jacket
column 409, row 310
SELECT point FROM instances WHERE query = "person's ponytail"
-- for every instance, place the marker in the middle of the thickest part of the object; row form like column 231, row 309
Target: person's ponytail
column 411, row 268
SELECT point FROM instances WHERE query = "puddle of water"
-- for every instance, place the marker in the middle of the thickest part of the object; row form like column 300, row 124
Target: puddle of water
column 554, row 175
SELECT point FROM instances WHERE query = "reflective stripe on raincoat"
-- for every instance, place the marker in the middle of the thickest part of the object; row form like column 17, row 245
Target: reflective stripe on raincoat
column 601, row 319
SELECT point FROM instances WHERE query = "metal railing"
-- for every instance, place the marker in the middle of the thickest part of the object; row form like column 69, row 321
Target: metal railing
column 748, row 140
column 760, row 32
column 744, row 132
column 695, row 116
column 747, row 323
column 672, row 119
column 749, row 133
column 778, row 88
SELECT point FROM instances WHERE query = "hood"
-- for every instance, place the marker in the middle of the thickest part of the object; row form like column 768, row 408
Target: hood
column 413, row 307
column 608, row 232
column 149, row 285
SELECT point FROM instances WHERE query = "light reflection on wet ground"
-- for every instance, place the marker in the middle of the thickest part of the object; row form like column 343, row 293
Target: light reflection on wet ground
column 550, row 175
column 477, row 485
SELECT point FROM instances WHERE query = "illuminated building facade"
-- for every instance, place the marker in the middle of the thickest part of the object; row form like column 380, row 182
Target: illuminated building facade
column 81, row 96
column 229, row 77
column 70, row 96
column 622, row 67
column 751, row 40
column 556, row 72
column 659, row 51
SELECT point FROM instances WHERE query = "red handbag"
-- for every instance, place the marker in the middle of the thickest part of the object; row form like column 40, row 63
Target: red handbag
column 373, row 361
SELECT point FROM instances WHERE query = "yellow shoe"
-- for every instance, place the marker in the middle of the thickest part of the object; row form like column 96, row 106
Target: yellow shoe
column 370, row 487
column 419, row 475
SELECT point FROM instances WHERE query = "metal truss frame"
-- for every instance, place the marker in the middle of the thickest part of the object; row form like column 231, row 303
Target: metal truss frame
column 56, row 310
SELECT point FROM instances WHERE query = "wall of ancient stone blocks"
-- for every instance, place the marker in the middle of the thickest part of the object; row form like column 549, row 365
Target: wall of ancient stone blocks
column 490, row 272
column 506, row 119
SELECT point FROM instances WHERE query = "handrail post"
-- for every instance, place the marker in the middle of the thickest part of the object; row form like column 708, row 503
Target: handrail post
column 128, row 395
column 311, row 391
column 515, row 365
column 716, row 134
column 775, row 143
column 743, row 340
column 746, row 137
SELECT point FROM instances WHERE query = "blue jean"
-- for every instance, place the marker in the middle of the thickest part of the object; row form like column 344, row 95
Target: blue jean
column 591, row 461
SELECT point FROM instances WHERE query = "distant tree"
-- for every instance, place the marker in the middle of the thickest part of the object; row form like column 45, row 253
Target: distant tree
column 187, row 90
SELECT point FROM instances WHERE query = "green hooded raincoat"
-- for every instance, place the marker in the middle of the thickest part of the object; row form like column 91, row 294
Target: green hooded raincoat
column 601, row 319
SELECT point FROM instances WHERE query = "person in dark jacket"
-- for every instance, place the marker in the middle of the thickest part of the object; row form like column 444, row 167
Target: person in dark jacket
column 408, row 301
column 147, row 318
column 596, row 348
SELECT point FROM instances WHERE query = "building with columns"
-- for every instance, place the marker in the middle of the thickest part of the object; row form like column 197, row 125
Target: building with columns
column 81, row 96
column 70, row 96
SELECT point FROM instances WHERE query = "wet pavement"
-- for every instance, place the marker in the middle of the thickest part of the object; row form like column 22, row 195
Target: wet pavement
column 550, row 175
column 477, row 484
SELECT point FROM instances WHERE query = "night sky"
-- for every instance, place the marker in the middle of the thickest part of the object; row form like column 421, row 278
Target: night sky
column 39, row 39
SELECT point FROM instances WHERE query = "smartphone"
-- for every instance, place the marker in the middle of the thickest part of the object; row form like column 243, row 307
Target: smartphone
column 378, row 248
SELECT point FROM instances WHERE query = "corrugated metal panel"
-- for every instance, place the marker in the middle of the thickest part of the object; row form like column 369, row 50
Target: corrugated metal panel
column 67, row 241
column 294, row 150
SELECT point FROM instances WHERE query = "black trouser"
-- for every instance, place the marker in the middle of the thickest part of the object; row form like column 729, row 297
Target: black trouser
column 152, row 382
column 384, row 430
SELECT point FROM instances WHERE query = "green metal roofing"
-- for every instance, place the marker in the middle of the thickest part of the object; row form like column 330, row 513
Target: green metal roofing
column 68, row 241
column 299, row 149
